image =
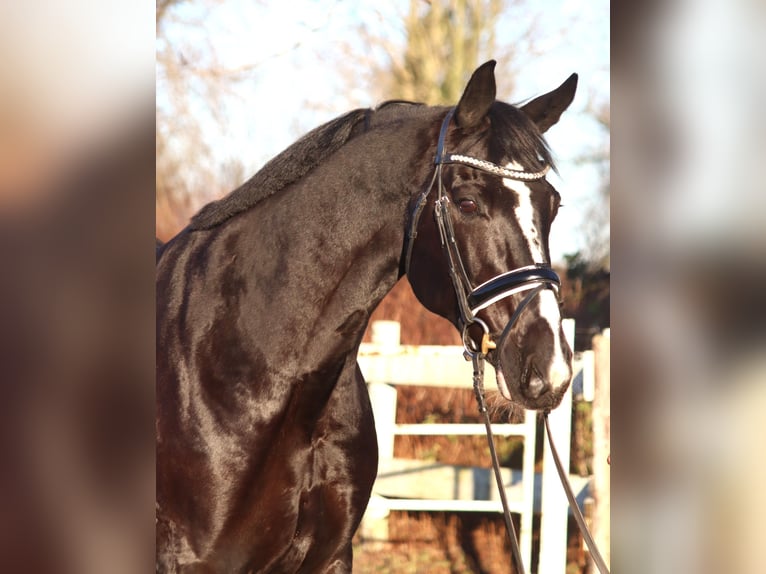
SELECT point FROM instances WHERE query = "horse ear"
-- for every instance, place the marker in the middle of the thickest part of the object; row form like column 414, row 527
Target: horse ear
column 546, row 110
column 477, row 97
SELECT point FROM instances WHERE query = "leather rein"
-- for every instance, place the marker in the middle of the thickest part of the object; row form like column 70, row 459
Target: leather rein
column 533, row 278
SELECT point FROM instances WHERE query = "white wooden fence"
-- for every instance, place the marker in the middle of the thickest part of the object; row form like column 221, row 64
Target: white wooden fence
column 427, row 486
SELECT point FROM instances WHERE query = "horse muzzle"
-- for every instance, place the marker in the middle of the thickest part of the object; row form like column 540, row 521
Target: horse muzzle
column 532, row 358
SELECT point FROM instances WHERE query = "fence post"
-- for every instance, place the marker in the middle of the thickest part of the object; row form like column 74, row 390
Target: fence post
column 385, row 334
column 588, row 375
column 601, row 427
column 528, row 486
column 383, row 399
column 554, row 507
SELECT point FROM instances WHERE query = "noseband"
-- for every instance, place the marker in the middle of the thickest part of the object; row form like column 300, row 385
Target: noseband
column 472, row 299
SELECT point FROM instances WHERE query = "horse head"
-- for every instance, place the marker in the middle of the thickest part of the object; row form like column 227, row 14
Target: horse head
column 481, row 226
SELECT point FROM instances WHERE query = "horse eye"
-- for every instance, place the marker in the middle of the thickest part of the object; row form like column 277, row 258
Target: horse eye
column 468, row 206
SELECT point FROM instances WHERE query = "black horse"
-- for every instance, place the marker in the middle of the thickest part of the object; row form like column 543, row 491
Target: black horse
column 266, row 448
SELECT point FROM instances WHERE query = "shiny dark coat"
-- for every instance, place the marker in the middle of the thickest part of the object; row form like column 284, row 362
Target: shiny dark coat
column 266, row 447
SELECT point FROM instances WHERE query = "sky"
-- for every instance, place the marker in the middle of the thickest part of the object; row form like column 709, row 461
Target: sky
column 296, row 51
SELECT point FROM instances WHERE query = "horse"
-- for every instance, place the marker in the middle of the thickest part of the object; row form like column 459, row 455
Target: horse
column 266, row 444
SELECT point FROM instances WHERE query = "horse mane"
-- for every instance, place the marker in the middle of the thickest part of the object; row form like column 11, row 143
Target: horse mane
column 287, row 167
column 398, row 103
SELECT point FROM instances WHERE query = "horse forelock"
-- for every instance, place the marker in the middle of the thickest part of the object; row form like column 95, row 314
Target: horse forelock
column 284, row 169
column 516, row 138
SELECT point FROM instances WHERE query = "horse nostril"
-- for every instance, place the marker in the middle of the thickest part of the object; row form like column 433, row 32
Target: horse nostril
column 536, row 388
column 536, row 385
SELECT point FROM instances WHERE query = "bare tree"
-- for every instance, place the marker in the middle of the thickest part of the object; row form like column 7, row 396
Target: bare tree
column 193, row 84
column 445, row 40
column 441, row 43
column 596, row 219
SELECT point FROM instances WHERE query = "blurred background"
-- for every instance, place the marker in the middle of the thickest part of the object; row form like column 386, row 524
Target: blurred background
column 689, row 273
column 76, row 286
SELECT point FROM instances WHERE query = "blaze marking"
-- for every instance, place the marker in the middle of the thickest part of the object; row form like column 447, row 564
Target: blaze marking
column 558, row 368
column 525, row 214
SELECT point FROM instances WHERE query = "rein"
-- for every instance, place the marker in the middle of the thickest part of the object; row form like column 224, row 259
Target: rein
column 471, row 300
column 478, row 389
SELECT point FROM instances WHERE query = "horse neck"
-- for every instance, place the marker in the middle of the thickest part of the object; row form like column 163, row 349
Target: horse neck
column 330, row 245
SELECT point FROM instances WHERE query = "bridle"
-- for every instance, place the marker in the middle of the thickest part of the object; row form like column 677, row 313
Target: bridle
column 472, row 299
column 533, row 278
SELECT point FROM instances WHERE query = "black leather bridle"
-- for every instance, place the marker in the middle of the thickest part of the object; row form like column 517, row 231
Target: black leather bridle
column 533, row 278
column 472, row 299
